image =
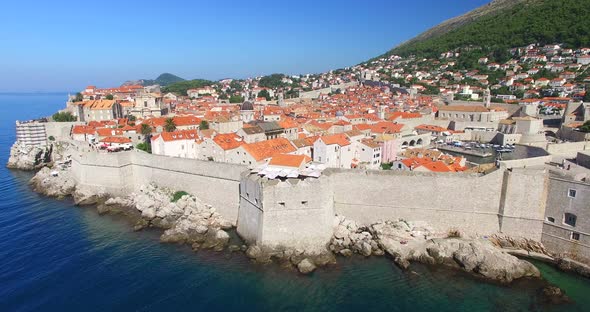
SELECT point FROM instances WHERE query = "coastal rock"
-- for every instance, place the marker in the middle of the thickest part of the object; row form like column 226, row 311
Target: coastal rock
column 519, row 243
column 569, row 265
column 253, row 252
column 53, row 183
column 27, row 157
column 554, row 295
column 306, row 266
column 479, row 257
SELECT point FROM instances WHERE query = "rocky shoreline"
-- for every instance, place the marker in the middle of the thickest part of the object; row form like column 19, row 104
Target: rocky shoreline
column 187, row 220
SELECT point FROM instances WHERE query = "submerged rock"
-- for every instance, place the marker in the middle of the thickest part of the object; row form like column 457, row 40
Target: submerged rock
column 554, row 295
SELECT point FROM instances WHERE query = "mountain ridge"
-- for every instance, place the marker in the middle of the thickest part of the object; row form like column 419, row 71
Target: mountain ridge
column 163, row 80
column 503, row 24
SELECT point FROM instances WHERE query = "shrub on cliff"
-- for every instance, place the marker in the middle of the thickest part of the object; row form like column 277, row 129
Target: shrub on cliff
column 178, row 195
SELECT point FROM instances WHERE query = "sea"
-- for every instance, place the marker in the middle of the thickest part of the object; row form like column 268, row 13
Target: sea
column 55, row 256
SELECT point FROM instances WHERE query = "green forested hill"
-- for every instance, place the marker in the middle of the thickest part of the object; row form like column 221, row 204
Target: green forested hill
column 510, row 23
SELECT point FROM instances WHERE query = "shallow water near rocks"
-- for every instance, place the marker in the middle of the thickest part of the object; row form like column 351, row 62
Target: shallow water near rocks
column 58, row 257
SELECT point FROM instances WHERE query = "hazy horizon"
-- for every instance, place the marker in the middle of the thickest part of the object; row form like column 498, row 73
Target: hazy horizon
column 65, row 45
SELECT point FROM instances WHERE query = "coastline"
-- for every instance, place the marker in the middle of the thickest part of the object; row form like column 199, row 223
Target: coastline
column 361, row 240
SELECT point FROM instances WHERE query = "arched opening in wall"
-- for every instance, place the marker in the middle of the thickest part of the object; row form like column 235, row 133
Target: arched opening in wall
column 419, row 142
column 405, row 144
column 412, row 143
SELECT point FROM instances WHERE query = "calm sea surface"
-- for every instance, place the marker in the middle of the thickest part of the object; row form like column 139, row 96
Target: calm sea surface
column 58, row 257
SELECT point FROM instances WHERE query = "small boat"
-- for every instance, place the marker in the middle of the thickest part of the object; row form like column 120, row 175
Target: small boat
column 504, row 150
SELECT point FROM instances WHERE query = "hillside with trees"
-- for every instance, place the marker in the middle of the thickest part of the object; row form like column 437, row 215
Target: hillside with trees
column 182, row 86
column 504, row 24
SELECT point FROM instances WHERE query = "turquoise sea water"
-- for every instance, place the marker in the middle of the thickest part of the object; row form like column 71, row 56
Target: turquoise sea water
column 58, row 257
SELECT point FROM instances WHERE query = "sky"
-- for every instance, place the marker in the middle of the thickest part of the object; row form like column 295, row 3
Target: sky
column 65, row 45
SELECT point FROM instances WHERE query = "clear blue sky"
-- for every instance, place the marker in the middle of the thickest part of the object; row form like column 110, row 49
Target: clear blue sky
column 66, row 45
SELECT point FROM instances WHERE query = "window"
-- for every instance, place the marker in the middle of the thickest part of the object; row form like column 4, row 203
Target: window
column 569, row 219
column 551, row 219
column 304, row 203
column 571, row 193
column 575, row 236
column 282, row 204
column 144, row 103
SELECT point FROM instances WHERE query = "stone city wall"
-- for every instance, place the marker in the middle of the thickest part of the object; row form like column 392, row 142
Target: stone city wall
column 569, row 149
column 557, row 232
column 300, row 212
column 121, row 173
column 468, row 202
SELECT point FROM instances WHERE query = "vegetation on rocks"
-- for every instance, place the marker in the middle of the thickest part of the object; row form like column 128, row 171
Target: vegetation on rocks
column 178, row 195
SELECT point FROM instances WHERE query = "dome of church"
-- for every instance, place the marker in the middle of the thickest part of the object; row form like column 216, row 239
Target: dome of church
column 247, row 106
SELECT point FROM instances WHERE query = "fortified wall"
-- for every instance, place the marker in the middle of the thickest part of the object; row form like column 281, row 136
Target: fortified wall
column 300, row 212
column 122, row 173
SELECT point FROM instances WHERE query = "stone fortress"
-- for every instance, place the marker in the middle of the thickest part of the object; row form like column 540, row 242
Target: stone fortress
column 519, row 199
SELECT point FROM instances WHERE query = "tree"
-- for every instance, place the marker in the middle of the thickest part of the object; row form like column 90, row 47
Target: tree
column 63, row 117
column 236, row 85
column 236, row 99
column 264, row 93
column 169, row 125
column 585, row 127
column 146, row 131
column 79, row 97
column 272, row 81
column 110, row 97
column 204, row 125
column 145, row 147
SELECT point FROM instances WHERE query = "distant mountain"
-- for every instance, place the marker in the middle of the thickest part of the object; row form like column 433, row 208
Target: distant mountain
column 163, row 80
column 505, row 24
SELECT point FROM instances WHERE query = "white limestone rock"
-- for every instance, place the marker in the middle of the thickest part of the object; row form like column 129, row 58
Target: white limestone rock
column 306, row 266
column 27, row 157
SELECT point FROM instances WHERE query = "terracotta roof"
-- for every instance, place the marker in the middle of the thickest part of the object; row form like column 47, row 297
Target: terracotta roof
column 177, row 135
column 386, row 127
column 112, row 139
column 228, row 141
column 287, row 160
column 370, row 143
column 339, row 139
column 81, row 129
column 269, row 148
